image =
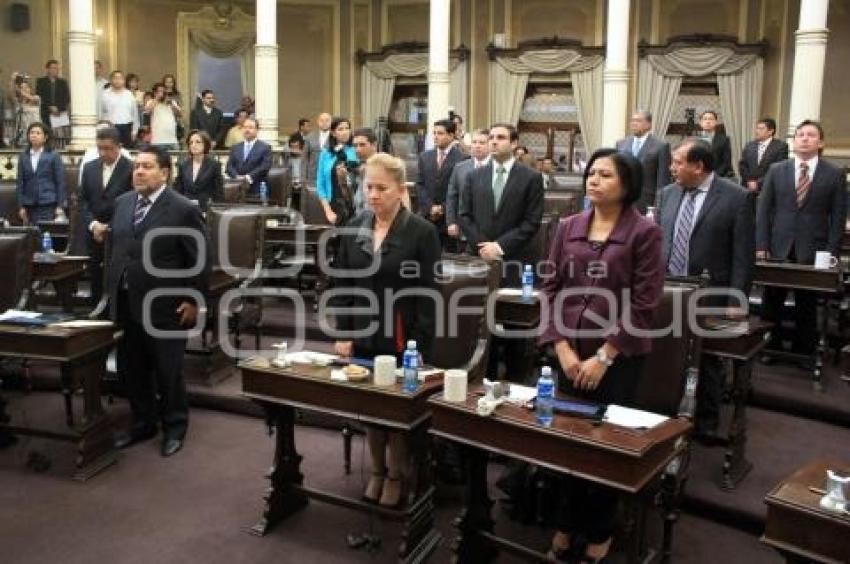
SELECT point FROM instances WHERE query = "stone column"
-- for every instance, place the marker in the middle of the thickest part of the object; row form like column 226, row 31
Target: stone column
column 615, row 78
column 809, row 59
column 80, row 68
column 438, row 63
column 265, row 71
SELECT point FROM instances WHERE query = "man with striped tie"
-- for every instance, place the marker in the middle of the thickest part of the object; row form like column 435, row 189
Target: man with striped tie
column 802, row 210
column 148, row 258
column 708, row 225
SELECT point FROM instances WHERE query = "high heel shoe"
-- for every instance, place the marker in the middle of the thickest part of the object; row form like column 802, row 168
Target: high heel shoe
column 391, row 495
column 374, row 489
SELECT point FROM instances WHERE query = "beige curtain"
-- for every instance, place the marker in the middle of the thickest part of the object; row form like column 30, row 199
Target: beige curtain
column 587, row 88
column 223, row 45
column 740, row 102
column 739, row 79
column 378, row 80
column 509, row 81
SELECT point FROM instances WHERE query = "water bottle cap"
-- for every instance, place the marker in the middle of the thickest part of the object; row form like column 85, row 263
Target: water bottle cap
column 546, row 371
column 528, row 268
column 411, row 344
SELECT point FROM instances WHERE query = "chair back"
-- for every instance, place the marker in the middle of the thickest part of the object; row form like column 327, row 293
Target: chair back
column 311, row 207
column 234, row 190
column 279, row 181
column 465, row 339
column 662, row 383
column 9, row 202
column 16, row 249
column 242, row 241
column 562, row 203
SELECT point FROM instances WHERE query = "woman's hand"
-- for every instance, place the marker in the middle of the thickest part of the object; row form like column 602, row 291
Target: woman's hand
column 569, row 360
column 331, row 216
column 344, row 349
column 22, row 213
column 590, row 374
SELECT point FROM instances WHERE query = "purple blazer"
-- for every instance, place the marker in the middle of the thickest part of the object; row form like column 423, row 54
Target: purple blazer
column 629, row 265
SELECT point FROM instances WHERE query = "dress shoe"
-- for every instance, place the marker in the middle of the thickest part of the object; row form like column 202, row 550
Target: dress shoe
column 171, row 446
column 138, row 435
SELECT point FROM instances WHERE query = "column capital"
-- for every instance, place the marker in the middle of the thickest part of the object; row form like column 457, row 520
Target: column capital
column 266, row 50
column 81, row 37
column 439, row 76
column 616, row 75
column 811, row 36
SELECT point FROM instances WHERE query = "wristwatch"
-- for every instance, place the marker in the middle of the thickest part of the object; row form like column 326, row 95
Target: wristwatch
column 603, row 357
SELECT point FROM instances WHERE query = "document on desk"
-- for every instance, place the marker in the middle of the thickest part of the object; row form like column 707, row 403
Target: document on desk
column 10, row 314
column 632, row 418
column 82, row 323
column 311, row 357
column 515, row 292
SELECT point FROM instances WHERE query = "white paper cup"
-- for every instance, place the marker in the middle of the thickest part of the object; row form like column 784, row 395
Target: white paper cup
column 825, row 261
column 385, row 370
column 454, row 385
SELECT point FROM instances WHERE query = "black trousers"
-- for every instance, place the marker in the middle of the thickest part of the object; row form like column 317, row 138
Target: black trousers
column 95, row 267
column 805, row 316
column 588, row 509
column 125, row 130
column 152, row 369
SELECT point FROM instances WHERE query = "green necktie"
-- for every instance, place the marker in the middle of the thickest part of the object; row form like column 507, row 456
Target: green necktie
column 498, row 185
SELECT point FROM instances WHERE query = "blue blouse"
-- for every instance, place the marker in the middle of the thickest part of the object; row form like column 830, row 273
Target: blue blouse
column 327, row 161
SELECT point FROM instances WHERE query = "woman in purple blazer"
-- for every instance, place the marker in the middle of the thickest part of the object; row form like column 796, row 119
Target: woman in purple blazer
column 614, row 254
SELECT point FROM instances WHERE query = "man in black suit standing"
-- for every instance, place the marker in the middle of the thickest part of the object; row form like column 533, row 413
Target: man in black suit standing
column 480, row 156
column 501, row 207
column 206, row 117
column 802, row 210
column 103, row 180
column 251, row 159
column 147, row 258
column 760, row 153
column 653, row 153
column 435, row 170
column 708, row 225
column 721, row 147
column 53, row 91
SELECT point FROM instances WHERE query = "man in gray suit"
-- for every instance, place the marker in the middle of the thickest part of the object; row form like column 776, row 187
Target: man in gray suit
column 802, row 210
column 314, row 142
column 480, row 153
column 708, row 225
column 652, row 152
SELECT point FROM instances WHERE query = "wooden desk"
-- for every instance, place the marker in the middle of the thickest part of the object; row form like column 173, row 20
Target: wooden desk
column 737, row 347
column 60, row 233
column 825, row 282
column 82, row 355
column 797, row 526
column 623, row 459
column 281, row 391
column 64, row 272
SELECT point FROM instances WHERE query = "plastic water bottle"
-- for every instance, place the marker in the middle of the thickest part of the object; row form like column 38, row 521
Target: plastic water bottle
column 545, row 396
column 527, row 283
column 264, row 193
column 688, row 403
column 650, row 213
column 46, row 243
column 410, row 370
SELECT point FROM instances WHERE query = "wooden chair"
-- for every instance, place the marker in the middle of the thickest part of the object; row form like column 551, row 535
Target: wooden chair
column 279, row 181
column 234, row 190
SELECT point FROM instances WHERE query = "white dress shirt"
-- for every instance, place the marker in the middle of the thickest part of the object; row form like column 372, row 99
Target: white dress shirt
column 119, row 107
column 35, row 155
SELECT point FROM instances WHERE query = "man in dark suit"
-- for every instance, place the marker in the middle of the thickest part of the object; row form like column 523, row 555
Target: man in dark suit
column 435, row 170
column 708, row 225
column 315, row 141
column 103, row 180
column 760, row 153
column 53, row 91
column 150, row 362
column 206, row 117
column 802, row 210
column 501, row 207
column 653, row 153
column 480, row 156
column 721, row 147
column 251, row 159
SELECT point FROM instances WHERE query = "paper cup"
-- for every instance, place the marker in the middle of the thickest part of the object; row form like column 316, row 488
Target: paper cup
column 454, row 385
column 384, row 370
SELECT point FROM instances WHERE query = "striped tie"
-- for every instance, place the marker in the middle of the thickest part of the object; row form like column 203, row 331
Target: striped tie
column 142, row 205
column 678, row 265
column 803, row 183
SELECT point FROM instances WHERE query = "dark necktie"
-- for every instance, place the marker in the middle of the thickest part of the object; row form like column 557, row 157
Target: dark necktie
column 142, row 205
column 678, row 265
column 803, row 183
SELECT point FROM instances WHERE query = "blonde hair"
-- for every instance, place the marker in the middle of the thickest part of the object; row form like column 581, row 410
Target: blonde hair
column 395, row 167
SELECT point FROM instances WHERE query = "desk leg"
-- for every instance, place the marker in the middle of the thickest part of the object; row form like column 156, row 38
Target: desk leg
column 419, row 538
column 735, row 464
column 95, row 445
column 817, row 371
column 281, row 499
column 469, row 546
column 65, row 293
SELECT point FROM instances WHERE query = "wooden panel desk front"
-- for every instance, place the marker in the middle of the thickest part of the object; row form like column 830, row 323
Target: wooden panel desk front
column 796, row 524
column 620, row 458
column 280, row 391
column 64, row 272
column 81, row 353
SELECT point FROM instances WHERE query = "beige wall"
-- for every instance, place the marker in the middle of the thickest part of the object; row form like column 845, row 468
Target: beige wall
column 25, row 51
column 836, row 118
column 534, row 19
column 682, row 17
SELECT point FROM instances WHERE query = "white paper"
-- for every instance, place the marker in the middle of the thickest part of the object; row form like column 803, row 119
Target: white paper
column 79, row 323
column 311, row 357
column 632, row 418
column 18, row 314
column 423, row 374
column 515, row 292
column 521, row 394
column 62, row 120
